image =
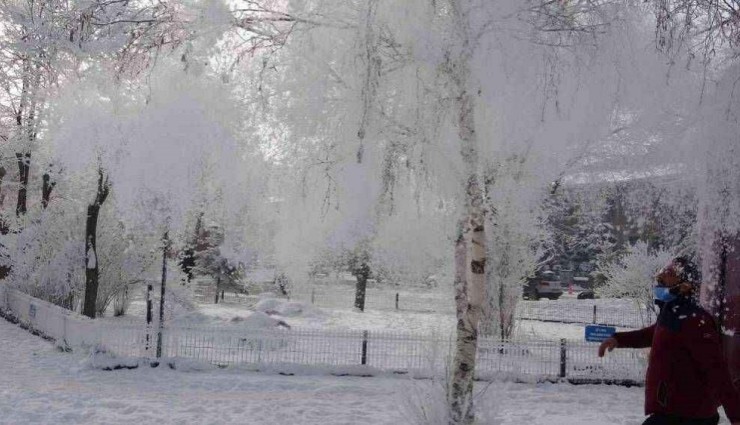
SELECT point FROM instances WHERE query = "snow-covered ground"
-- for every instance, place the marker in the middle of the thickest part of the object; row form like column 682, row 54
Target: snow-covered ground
column 41, row 385
column 307, row 316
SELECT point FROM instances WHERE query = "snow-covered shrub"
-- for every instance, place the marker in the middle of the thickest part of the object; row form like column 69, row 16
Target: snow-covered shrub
column 632, row 276
column 47, row 256
column 512, row 235
column 425, row 403
column 124, row 259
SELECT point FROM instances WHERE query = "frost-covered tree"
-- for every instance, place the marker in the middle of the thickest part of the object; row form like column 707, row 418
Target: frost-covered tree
column 48, row 257
column 633, row 276
column 48, row 43
column 463, row 87
column 515, row 241
column 579, row 227
column 701, row 38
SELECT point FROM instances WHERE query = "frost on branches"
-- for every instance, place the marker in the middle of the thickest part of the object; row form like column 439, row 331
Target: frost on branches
column 633, row 276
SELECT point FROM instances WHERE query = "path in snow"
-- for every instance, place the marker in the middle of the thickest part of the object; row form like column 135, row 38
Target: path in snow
column 39, row 385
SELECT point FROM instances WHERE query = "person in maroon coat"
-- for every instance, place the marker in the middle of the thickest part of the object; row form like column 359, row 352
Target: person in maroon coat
column 687, row 377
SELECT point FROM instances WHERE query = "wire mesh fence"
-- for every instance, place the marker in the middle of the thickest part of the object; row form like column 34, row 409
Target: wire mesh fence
column 622, row 313
column 368, row 352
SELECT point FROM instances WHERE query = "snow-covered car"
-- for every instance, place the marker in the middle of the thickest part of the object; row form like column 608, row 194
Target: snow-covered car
column 545, row 284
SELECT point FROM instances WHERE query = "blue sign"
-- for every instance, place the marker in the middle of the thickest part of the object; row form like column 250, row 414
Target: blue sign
column 598, row 333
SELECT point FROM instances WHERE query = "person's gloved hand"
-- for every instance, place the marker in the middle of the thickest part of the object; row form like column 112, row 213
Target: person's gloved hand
column 610, row 344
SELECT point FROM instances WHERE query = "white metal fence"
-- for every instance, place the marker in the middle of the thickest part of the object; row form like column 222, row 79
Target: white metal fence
column 338, row 350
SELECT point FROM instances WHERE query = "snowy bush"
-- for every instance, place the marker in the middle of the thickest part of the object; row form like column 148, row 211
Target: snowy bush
column 48, row 258
column 426, row 403
column 512, row 235
column 632, row 276
column 125, row 259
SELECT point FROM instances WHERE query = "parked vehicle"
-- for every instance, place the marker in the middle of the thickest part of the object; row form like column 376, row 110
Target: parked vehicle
column 582, row 283
column 586, row 295
column 545, row 284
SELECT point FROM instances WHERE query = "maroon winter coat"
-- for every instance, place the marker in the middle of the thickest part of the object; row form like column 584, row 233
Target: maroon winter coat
column 687, row 374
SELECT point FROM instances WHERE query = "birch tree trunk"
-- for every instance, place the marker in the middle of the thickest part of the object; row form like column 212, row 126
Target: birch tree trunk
column 470, row 294
column 466, row 344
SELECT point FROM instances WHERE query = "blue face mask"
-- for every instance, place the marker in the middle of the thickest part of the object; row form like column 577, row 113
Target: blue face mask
column 661, row 293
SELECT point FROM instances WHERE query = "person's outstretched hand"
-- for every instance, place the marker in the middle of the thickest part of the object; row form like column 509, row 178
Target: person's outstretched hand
column 608, row 344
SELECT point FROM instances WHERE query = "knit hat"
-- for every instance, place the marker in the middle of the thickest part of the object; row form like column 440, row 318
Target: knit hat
column 686, row 270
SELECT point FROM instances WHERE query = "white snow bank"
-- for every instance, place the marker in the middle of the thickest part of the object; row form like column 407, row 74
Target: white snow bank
column 281, row 307
column 101, row 358
column 258, row 320
column 267, row 304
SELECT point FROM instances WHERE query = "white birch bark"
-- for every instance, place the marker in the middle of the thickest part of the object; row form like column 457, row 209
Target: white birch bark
column 472, row 290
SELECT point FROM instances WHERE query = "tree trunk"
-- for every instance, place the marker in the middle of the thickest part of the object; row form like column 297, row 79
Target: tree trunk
column 2, row 176
column 362, row 273
column 4, row 228
column 187, row 262
column 470, row 296
column 461, row 295
column 91, row 261
column 371, row 74
column 24, row 164
column 24, row 119
column 46, row 189
column 165, row 246
column 149, row 315
column 460, row 397
column 218, row 287
column 91, row 254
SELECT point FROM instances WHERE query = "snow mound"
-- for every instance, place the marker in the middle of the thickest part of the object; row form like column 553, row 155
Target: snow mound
column 268, row 304
column 291, row 309
column 267, row 296
column 259, row 320
column 281, row 307
column 192, row 318
column 102, row 359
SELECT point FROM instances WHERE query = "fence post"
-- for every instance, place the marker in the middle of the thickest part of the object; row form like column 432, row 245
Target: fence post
column 594, row 314
column 364, row 347
column 64, row 330
column 396, row 300
column 563, row 358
